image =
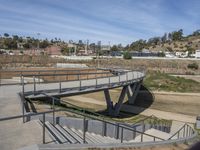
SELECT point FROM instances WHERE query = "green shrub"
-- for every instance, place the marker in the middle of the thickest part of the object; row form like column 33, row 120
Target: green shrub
column 193, row 66
column 127, row 55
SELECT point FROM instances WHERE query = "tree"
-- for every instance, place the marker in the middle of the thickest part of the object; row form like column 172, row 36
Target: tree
column 177, row 35
column 127, row 55
column 114, row 48
column 6, row 35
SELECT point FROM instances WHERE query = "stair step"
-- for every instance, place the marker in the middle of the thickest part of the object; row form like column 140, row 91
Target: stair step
column 90, row 137
column 89, row 141
column 53, row 130
column 67, row 134
column 73, row 134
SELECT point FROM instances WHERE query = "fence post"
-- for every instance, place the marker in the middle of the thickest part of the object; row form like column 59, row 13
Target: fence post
column 43, row 137
column 84, row 141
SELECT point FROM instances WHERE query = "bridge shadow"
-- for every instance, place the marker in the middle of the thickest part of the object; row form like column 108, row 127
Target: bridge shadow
column 143, row 101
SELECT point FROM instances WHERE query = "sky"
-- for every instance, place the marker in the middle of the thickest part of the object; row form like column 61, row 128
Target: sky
column 114, row 21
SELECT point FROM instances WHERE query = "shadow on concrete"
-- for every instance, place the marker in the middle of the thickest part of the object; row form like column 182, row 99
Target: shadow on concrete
column 144, row 100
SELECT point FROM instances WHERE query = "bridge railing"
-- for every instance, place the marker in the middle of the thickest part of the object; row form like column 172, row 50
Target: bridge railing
column 8, row 74
column 111, row 79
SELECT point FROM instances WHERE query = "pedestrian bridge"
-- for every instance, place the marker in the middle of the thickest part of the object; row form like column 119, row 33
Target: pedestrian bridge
column 86, row 82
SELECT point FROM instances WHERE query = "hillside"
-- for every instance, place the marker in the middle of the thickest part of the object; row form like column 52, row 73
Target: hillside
column 172, row 42
column 189, row 43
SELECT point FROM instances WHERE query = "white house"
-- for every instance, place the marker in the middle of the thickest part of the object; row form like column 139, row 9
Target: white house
column 197, row 54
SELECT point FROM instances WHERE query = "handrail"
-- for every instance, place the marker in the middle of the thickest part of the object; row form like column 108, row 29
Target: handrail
column 78, row 113
column 63, row 74
column 76, row 107
column 180, row 130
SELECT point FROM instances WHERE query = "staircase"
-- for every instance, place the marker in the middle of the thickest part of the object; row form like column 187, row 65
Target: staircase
column 66, row 135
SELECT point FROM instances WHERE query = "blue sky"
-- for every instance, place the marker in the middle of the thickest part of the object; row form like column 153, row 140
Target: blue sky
column 114, row 21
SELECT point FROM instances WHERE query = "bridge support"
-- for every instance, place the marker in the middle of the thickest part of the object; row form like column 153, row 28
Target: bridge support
column 113, row 110
column 131, row 91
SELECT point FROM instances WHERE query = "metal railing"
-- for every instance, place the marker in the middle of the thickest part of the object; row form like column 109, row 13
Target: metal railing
column 185, row 131
column 135, row 75
column 85, row 116
column 20, row 73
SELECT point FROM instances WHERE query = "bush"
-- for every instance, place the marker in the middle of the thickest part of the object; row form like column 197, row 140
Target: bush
column 127, row 55
column 193, row 66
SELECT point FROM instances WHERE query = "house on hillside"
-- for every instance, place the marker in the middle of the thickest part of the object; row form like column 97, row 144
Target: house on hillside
column 197, row 53
column 53, row 50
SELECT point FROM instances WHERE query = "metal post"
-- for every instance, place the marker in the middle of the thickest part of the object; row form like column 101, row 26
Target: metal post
column 143, row 126
column 126, row 76
column 80, row 85
column 117, row 131
column 23, row 111
column 109, row 80
column 119, row 79
column 84, row 141
column 60, row 88
column 96, row 83
column 184, row 131
column 34, row 84
column 122, row 136
column 142, row 137
column 53, row 103
column 39, row 77
column 154, row 139
column 23, row 85
column 104, row 129
column 43, row 135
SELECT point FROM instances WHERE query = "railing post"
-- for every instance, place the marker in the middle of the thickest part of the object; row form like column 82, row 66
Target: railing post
column 96, row 83
column 23, row 85
column 104, row 129
column 53, row 103
column 80, row 84
column 84, row 130
column 34, row 84
column 143, row 126
column 39, row 77
column 109, row 80
column 126, row 76
column 142, row 137
column 154, row 138
column 184, row 131
column 117, row 131
column 187, row 131
column 122, row 134
column 43, row 133
column 60, row 88
column 23, row 111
